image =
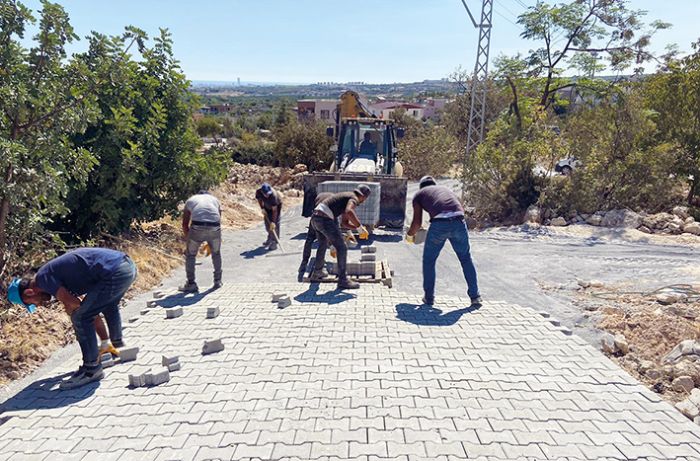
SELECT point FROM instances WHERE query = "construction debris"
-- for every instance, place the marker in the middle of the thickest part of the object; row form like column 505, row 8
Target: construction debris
column 149, row 379
column 173, row 312
column 166, row 360
column 152, row 303
column 174, row 367
column 210, row 347
column 277, row 296
column 212, row 312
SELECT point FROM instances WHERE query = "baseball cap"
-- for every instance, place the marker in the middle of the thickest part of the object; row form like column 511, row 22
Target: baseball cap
column 363, row 190
column 426, row 181
column 14, row 296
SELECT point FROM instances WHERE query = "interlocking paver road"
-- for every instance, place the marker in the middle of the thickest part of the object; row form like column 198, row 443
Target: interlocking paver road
column 363, row 375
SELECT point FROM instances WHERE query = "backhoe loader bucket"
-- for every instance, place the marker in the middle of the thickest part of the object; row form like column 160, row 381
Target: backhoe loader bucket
column 392, row 202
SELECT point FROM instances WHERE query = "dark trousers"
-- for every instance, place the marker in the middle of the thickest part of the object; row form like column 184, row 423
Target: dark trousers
column 268, row 213
column 311, row 237
column 102, row 298
column 328, row 232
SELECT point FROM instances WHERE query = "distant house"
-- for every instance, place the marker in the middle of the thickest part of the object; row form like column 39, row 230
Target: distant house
column 216, row 109
column 323, row 110
column 386, row 109
column 433, row 106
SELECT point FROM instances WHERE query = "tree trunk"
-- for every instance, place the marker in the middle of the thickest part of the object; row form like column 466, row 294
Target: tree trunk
column 515, row 105
column 4, row 213
column 694, row 188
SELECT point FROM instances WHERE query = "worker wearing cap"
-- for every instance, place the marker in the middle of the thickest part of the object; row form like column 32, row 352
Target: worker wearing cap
column 102, row 276
column 446, row 223
column 270, row 202
column 201, row 222
column 323, row 221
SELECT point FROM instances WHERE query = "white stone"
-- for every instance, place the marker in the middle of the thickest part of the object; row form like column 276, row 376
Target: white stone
column 621, row 344
column 621, row 218
column 688, row 347
column 594, row 220
column 688, row 408
column 680, row 211
column 559, row 222
column 532, row 215
column 692, row 228
column 283, row 302
column 668, row 298
column 607, row 343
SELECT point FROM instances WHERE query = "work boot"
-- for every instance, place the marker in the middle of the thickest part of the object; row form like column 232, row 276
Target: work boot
column 347, row 284
column 217, row 284
column 476, row 302
column 189, row 287
column 82, row 377
column 318, row 275
column 428, row 301
column 273, row 246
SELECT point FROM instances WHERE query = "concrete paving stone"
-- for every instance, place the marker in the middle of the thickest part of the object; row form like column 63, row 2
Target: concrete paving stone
column 215, row 454
column 366, row 449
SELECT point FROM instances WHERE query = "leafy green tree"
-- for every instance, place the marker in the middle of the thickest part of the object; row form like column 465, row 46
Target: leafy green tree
column 209, row 127
column 674, row 94
column 144, row 137
column 305, row 143
column 43, row 100
column 430, row 150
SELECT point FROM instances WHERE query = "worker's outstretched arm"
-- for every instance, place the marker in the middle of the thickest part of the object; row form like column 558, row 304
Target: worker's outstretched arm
column 417, row 220
column 275, row 213
column 186, row 215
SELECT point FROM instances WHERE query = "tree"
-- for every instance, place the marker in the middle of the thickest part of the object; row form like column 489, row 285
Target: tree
column 144, row 137
column 673, row 95
column 578, row 34
column 43, row 100
column 209, row 127
column 430, row 150
column 305, row 143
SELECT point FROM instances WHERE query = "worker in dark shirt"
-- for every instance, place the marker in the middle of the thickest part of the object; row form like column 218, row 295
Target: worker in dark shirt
column 311, row 237
column 446, row 223
column 323, row 221
column 270, row 202
column 368, row 148
column 102, row 276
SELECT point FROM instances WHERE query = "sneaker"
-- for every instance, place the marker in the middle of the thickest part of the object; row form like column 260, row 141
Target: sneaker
column 218, row 284
column 476, row 301
column 273, row 246
column 81, row 378
column 347, row 284
column 318, row 274
column 428, row 301
column 189, row 287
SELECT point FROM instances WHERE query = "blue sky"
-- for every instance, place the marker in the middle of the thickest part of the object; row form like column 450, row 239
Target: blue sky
column 332, row 40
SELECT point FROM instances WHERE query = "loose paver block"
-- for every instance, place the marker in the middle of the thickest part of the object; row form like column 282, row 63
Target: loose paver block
column 544, row 314
column 554, row 321
column 174, row 366
column 173, row 312
column 567, row 331
column 144, row 311
column 368, row 257
column 152, row 303
column 369, row 249
column 128, row 354
column 158, row 378
column 283, row 302
column 169, row 359
column 212, row 346
column 363, row 375
column 212, row 312
column 277, row 296
column 158, row 294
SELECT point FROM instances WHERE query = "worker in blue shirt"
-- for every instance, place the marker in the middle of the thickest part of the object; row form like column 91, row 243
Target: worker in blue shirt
column 101, row 277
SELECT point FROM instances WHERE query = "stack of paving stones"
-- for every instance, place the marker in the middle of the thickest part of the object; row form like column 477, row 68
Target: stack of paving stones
column 376, row 376
column 368, row 264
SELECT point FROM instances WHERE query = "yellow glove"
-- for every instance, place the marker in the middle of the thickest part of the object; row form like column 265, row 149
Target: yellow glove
column 350, row 238
column 207, row 249
column 410, row 239
column 334, row 253
column 364, row 233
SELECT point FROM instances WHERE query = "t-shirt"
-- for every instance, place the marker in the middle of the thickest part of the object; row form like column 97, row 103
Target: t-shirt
column 269, row 201
column 204, row 208
column 438, row 200
column 338, row 202
column 79, row 270
column 321, row 197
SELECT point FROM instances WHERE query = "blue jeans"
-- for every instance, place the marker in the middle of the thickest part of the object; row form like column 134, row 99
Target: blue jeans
column 103, row 298
column 438, row 233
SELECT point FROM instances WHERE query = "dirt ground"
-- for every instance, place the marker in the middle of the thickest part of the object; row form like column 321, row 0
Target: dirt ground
column 652, row 330
column 156, row 248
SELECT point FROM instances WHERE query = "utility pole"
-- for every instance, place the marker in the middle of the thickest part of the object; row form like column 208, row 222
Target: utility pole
column 477, row 110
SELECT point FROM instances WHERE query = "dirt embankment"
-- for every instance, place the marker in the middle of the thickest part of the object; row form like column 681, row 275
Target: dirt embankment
column 647, row 331
column 156, row 248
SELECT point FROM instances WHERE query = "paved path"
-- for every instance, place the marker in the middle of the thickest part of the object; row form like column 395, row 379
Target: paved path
column 362, row 375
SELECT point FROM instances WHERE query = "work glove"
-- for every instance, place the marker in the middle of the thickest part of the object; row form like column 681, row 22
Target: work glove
column 273, row 227
column 364, row 233
column 410, row 239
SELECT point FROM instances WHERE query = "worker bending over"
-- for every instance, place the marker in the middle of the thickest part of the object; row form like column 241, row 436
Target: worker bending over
column 201, row 222
column 446, row 223
column 270, row 202
column 103, row 276
column 323, row 222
